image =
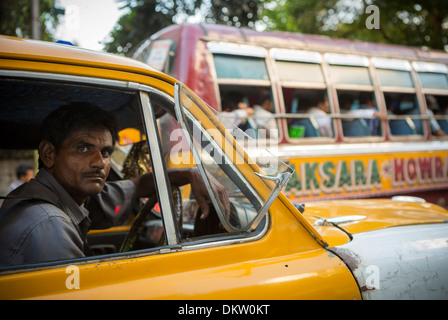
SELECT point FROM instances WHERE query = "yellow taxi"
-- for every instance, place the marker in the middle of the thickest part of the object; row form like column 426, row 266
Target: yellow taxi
column 266, row 247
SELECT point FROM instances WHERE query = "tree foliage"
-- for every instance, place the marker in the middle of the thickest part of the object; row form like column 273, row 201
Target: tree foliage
column 142, row 20
column 408, row 22
column 146, row 17
column 15, row 18
column 242, row 13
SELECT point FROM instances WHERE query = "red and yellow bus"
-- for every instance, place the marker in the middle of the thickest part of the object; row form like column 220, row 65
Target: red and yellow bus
column 386, row 130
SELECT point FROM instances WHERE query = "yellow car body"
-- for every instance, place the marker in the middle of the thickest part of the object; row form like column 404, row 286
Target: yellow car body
column 296, row 255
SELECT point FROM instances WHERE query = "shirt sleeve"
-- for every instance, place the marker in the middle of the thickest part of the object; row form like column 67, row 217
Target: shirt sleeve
column 113, row 205
column 361, row 113
column 433, row 122
column 240, row 116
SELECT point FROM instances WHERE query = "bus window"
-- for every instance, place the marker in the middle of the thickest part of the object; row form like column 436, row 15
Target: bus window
column 354, row 87
column 348, row 69
column 240, row 67
column 259, row 121
column 360, row 113
column 159, row 54
column 312, row 113
column 298, row 67
column 437, row 109
column 241, row 72
column 432, row 75
column 394, row 76
column 433, row 80
column 402, row 106
column 235, row 61
column 304, row 93
column 393, row 72
column 299, row 72
column 350, row 75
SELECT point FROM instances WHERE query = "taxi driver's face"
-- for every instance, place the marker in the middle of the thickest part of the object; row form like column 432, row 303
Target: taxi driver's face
column 83, row 162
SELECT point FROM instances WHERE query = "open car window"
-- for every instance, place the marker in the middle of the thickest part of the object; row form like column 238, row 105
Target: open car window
column 249, row 183
column 252, row 182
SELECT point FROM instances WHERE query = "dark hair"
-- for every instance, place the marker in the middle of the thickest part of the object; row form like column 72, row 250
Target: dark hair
column 22, row 169
column 60, row 123
column 262, row 96
column 231, row 99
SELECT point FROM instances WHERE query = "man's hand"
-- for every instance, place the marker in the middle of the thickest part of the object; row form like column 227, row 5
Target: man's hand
column 202, row 195
column 182, row 176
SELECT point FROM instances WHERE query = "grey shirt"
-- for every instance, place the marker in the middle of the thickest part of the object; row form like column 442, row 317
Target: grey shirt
column 41, row 222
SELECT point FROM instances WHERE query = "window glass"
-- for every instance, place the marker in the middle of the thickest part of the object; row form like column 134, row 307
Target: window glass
column 159, row 55
column 432, row 75
column 396, row 78
column 240, row 67
column 433, row 80
column 300, row 72
column 350, row 75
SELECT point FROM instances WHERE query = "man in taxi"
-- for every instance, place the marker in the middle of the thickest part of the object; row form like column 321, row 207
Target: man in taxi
column 48, row 218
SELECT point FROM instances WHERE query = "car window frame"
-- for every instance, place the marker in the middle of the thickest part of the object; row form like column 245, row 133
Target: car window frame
column 274, row 183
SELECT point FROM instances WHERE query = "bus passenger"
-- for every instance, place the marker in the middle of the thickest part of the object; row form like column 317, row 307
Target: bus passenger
column 264, row 118
column 433, row 106
column 320, row 111
column 235, row 111
column 366, row 111
column 368, row 104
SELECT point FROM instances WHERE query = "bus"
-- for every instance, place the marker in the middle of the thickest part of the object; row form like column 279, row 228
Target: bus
column 354, row 119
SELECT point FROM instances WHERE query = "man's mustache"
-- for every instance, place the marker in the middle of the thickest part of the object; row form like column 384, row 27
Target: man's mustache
column 94, row 173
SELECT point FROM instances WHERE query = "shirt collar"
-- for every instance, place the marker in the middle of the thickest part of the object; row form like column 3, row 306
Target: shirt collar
column 68, row 204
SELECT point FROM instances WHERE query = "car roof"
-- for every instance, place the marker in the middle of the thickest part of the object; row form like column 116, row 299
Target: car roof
column 28, row 96
column 43, row 51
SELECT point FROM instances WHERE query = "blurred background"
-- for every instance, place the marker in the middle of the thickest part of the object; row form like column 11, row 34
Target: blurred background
column 118, row 25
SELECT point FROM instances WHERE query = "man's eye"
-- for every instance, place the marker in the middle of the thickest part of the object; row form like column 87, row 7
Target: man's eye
column 83, row 148
column 107, row 152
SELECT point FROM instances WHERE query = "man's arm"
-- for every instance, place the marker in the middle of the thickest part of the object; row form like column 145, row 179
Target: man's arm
column 182, row 176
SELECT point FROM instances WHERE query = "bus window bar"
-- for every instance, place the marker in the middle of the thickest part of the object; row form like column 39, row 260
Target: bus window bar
column 348, row 116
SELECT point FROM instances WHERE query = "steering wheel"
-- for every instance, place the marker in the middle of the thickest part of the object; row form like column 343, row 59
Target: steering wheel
column 137, row 225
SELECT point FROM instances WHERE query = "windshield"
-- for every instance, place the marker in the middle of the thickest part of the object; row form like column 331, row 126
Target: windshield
column 251, row 182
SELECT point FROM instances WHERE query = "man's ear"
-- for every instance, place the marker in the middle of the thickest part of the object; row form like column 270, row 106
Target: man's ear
column 47, row 153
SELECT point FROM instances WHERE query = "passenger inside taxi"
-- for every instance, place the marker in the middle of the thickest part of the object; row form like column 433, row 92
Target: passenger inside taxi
column 48, row 218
